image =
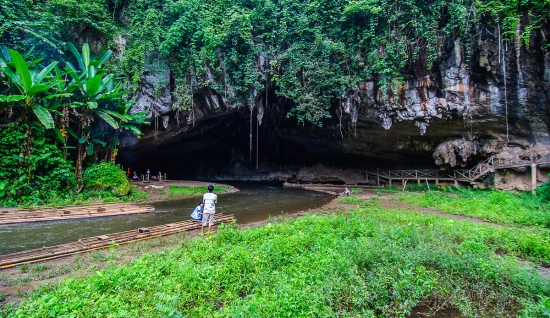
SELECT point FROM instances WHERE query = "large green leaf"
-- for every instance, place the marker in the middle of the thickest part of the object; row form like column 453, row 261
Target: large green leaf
column 107, row 118
column 71, row 132
column 86, row 55
column 115, row 114
column 105, row 57
column 92, row 105
column 77, row 56
column 11, row 98
column 6, row 69
column 71, row 66
column 5, row 54
column 92, row 85
column 38, row 89
column 91, row 71
column 22, row 70
column 90, row 149
column 106, row 83
column 58, row 95
column 44, row 116
column 133, row 129
column 44, row 72
column 33, row 63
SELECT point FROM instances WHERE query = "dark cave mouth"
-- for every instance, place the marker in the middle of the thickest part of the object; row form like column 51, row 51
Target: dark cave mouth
column 221, row 144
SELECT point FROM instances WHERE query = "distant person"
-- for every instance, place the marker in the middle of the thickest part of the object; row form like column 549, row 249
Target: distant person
column 135, row 177
column 197, row 213
column 347, row 192
column 209, row 199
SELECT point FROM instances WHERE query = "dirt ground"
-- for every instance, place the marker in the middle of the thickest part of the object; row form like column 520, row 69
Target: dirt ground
column 17, row 282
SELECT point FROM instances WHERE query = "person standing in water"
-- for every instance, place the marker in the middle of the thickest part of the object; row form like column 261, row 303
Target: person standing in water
column 210, row 200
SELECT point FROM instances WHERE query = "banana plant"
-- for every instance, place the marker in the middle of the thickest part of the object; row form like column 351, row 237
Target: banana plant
column 31, row 88
column 95, row 95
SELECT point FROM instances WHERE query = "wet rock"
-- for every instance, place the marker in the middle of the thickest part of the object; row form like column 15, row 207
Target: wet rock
column 454, row 153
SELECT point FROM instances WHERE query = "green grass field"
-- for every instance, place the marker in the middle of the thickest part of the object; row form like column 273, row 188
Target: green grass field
column 495, row 206
column 368, row 262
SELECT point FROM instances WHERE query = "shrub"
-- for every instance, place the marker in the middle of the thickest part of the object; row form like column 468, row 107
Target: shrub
column 106, row 176
column 33, row 179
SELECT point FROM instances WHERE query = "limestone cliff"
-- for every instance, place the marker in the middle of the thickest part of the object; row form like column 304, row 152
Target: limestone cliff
column 491, row 101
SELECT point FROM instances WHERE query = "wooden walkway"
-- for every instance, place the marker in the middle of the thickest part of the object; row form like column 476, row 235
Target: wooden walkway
column 383, row 177
column 457, row 175
column 10, row 216
column 103, row 241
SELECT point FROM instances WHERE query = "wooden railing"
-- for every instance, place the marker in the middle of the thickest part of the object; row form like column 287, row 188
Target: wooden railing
column 468, row 175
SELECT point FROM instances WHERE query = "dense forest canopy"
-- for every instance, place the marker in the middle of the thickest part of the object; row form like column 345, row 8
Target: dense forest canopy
column 308, row 52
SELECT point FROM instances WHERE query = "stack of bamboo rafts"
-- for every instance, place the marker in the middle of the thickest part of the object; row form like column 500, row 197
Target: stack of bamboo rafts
column 8, row 216
column 103, row 241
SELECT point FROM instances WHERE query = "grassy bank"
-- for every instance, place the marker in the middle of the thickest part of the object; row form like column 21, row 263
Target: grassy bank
column 495, row 206
column 367, row 262
column 180, row 192
column 138, row 193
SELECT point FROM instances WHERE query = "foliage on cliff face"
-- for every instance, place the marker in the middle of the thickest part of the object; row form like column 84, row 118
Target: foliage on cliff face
column 312, row 51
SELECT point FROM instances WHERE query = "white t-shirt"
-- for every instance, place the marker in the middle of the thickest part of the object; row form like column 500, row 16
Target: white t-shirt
column 210, row 200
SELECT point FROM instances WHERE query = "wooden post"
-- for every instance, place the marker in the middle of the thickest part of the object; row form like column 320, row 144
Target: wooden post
column 165, row 176
column 437, row 177
column 533, row 177
column 456, row 181
column 390, row 181
column 377, row 177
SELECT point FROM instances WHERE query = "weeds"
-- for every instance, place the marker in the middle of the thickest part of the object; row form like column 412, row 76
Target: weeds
column 349, row 200
column 23, row 267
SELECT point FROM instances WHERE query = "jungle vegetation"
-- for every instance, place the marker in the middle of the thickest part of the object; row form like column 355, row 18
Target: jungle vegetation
column 307, row 52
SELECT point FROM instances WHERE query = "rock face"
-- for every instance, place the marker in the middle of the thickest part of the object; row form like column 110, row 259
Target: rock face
column 154, row 93
column 461, row 111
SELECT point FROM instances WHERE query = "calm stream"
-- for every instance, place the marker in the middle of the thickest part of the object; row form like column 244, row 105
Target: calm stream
column 255, row 202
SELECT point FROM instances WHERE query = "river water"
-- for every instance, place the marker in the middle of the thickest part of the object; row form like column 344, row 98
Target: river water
column 255, row 202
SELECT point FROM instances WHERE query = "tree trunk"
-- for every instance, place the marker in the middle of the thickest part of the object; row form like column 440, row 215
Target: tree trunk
column 251, row 110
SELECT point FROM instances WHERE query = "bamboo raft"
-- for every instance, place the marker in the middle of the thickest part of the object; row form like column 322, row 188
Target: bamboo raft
column 8, row 216
column 103, row 241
